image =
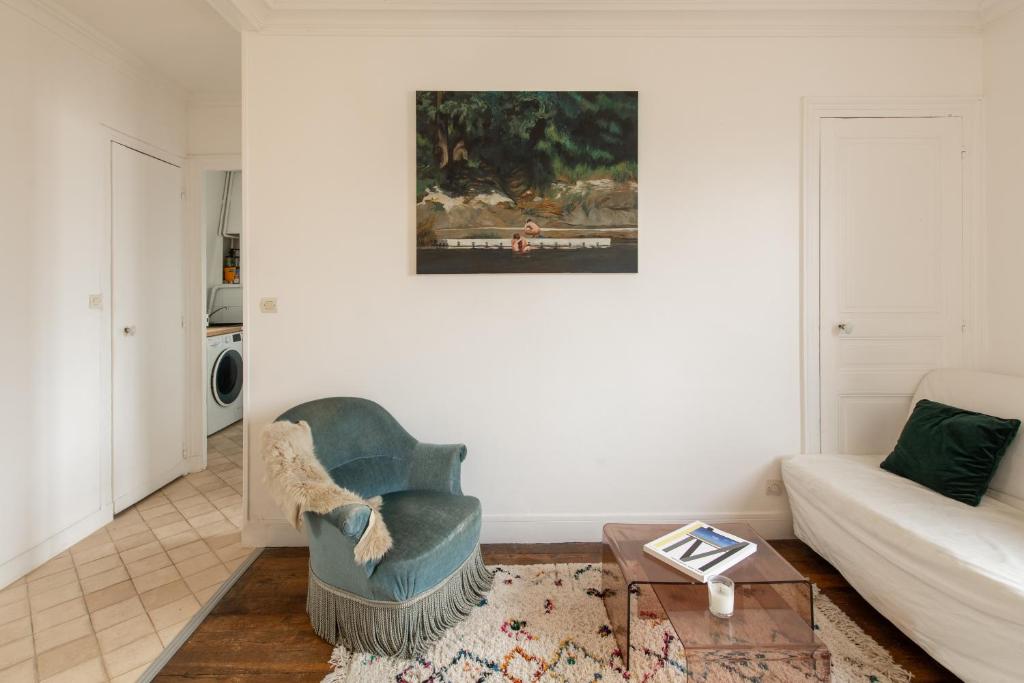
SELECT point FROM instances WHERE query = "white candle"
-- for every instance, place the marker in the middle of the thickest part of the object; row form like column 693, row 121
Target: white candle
column 720, row 596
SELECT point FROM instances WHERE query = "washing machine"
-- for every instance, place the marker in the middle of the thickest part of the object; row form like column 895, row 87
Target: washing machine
column 223, row 380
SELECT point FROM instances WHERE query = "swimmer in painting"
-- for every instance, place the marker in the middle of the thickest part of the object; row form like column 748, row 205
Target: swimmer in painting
column 519, row 244
column 531, row 228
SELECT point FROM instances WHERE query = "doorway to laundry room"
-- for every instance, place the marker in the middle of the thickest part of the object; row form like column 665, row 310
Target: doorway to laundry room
column 222, row 341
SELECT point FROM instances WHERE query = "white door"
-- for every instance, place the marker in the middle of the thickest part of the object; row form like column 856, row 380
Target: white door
column 147, row 305
column 891, row 218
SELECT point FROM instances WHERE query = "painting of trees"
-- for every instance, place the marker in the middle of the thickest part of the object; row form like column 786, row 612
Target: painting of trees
column 521, row 141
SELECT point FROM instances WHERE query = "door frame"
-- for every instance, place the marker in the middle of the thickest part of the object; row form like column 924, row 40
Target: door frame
column 195, row 309
column 108, row 136
column 969, row 110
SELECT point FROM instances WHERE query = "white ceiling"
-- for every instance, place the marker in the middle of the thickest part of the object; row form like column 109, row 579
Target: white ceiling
column 185, row 40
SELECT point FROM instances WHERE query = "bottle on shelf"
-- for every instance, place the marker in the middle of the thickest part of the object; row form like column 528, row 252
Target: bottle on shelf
column 232, row 272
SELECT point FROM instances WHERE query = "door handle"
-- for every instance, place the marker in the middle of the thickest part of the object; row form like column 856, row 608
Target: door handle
column 129, row 331
column 844, row 328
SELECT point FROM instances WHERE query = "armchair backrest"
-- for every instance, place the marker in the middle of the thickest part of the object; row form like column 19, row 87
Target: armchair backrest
column 346, row 429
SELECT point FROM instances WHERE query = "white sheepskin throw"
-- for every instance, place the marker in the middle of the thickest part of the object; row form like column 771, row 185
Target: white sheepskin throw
column 299, row 483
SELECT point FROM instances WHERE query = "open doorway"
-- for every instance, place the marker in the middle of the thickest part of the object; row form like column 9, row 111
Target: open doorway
column 223, row 338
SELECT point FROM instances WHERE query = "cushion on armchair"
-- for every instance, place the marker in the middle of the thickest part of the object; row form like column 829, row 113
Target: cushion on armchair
column 434, row 533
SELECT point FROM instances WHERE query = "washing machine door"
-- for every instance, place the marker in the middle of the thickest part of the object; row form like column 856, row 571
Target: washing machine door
column 226, row 377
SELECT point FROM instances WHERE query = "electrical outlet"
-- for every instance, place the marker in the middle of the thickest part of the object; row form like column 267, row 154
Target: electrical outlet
column 96, row 302
column 268, row 305
column 774, row 487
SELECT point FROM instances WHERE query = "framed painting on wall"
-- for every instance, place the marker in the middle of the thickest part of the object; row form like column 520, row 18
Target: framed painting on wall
column 526, row 182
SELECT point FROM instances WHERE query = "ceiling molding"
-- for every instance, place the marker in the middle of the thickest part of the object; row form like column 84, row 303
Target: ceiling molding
column 605, row 18
column 245, row 15
column 991, row 10
column 83, row 36
column 621, row 6
column 233, row 14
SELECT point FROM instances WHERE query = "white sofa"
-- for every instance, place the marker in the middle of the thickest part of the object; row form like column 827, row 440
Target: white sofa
column 949, row 576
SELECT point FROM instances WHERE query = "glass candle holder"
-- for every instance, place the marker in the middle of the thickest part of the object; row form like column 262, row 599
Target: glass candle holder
column 721, row 596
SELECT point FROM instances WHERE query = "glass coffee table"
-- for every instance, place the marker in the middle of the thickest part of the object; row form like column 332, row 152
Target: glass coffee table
column 771, row 632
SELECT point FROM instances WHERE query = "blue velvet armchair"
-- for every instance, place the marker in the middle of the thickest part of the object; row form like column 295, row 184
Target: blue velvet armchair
column 433, row 575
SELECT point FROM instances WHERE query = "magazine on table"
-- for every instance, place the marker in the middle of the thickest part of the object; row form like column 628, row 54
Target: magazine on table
column 700, row 550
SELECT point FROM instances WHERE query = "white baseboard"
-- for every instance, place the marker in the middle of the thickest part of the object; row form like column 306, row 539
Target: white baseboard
column 544, row 528
column 556, row 528
column 20, row 565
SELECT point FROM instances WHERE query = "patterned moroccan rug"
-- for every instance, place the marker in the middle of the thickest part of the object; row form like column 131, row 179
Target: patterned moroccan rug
column 547, row 623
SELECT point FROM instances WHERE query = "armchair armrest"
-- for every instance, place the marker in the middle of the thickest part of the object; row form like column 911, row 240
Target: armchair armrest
column 437, row 467
column 351, row 520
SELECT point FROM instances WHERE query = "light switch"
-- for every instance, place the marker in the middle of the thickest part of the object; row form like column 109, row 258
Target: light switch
column 268, row 305
column 96, row 302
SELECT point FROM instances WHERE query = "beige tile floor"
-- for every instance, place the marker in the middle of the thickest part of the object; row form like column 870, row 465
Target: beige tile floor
column 104, row 610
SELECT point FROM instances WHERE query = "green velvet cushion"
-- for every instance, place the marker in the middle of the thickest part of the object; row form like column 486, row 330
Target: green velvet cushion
column 433, row 533
column 952, row 451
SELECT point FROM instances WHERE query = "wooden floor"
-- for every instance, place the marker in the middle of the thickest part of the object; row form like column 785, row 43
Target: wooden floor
column 260, row 632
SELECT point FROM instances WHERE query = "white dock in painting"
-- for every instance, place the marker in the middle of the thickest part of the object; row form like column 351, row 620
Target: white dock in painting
column 534, row 242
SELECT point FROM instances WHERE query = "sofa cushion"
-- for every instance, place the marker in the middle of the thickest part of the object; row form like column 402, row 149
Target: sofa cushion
column 992, row 394
column 949, row 576
column 950, row 450
column 973, row 555
column 433, row 534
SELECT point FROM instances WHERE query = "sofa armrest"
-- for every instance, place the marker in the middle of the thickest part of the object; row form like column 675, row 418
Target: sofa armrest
column 437, row 467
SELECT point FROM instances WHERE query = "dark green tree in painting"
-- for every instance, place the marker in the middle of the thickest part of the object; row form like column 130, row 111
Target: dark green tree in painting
column 520, row 142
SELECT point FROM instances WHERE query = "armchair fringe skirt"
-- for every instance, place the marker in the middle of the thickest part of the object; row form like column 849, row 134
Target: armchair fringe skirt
column 397, row 629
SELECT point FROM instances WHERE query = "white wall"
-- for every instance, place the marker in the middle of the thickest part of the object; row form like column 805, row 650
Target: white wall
column 214, row 128
column 582, row 398
column 54, row 351
column 1004, row 107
